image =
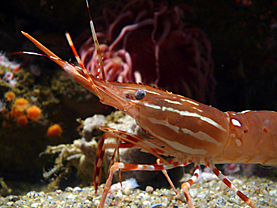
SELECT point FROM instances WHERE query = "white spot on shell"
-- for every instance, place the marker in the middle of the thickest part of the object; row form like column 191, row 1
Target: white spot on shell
column 235, row 122
column 155, row 93
column 172, row 101
column 151, row 167
column 238, row 142
column 232, row 135
column 152, row 106
column 121, row 165
column 140, row 167
column 189, row 101
column 197, row 109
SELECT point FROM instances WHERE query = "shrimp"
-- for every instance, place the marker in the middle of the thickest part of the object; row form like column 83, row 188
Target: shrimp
column 182, row 128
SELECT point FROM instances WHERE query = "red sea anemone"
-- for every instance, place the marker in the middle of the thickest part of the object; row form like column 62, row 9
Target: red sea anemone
column 147, row 42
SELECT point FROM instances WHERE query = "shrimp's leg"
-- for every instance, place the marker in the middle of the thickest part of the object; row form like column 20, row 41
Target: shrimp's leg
column 127, row 167
column 225, row 180
column 100, row 155
column 138, row 142
column 130, row 140
column 167, row 177
column 185, row 186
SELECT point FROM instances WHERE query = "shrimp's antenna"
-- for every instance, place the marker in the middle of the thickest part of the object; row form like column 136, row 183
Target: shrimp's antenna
column 97, row 48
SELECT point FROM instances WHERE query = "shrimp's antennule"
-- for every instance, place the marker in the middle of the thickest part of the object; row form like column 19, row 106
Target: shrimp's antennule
column 97, row 48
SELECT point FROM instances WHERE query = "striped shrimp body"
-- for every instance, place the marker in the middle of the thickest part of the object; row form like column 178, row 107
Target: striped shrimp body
column 182, row 128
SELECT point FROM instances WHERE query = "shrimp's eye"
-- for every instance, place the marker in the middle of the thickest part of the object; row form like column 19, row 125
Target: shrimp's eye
column 140, row 94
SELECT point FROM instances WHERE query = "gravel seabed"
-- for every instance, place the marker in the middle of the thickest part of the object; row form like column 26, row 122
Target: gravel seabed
column 262, row 191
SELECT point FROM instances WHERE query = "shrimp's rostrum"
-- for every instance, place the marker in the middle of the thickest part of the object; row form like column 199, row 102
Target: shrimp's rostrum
column 182, row 128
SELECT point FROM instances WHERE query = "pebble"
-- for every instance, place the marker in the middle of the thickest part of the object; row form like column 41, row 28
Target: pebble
column 77, row 189
column 262, row 191
column 127, row 190
column 273, row 192
column 193, row 192
column 149, row 189
column 201, row 195
column 58, row 191
column 68, row 189
column 220, row 202
column 10, row 203
column 146, row 203
column 35, row 205
column 12, row 198
column 126, row 199
column 156, row 205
